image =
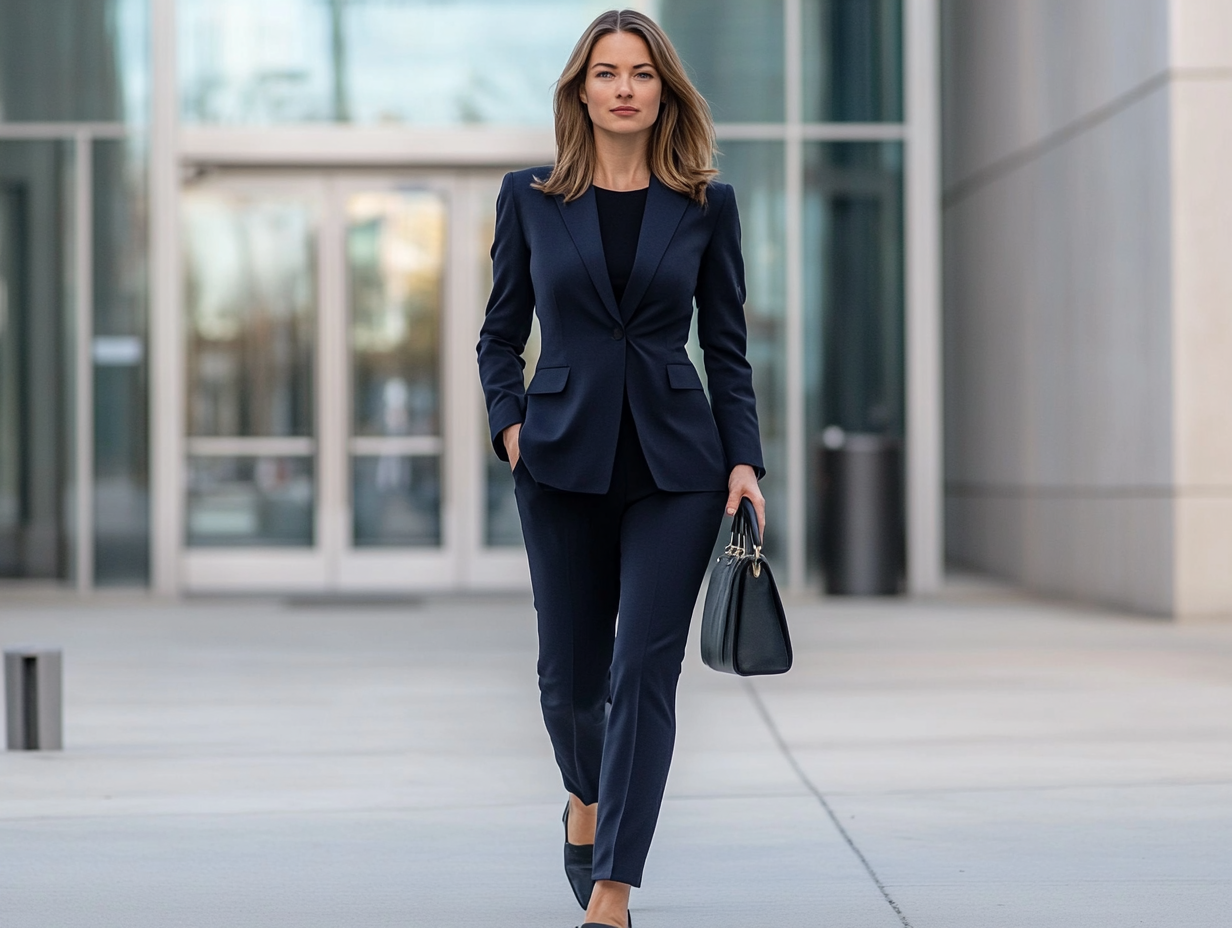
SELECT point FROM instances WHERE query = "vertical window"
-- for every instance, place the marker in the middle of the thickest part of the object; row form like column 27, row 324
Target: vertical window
column 121, row 433
column 853, row 292
column 395, row 252
column 733, row 50
column 251, row 308
column 73, row 60
column 75, row 259
column 37, row 371
column 853, row 58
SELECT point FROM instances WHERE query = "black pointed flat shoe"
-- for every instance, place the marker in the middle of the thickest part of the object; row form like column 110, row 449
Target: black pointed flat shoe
column 579, row 863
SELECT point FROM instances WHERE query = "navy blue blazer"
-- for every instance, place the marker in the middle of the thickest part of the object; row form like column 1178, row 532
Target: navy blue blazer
column 548, row 258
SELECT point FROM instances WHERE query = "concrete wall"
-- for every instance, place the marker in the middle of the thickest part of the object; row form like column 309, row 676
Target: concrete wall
column 1088, row 362
column 1201, row 131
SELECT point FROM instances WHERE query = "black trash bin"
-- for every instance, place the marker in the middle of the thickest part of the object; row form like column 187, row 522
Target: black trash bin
column 862, row 514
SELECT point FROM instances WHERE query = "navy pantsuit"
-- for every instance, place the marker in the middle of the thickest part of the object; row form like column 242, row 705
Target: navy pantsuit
column 623, row 471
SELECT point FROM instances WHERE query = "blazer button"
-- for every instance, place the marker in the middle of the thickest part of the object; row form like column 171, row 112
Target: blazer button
column 618, row 333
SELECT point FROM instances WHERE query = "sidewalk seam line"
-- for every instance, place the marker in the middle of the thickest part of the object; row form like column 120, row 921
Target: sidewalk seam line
column 812, row 788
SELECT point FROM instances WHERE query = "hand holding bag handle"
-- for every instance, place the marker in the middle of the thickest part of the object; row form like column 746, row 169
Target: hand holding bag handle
column 744, row 627
column 747, row 516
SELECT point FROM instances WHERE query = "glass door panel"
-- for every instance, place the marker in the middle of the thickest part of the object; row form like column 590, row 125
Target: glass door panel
column 333, row 415
column 396, row 500
column 38, row 414
column 395, row 268
column 249, row 500
column 251, row 312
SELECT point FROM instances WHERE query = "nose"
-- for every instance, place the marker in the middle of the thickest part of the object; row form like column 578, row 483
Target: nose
column 624, row 88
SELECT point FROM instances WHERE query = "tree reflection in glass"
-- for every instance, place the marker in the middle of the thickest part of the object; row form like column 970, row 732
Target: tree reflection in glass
column 395, row 260
column 251, row 306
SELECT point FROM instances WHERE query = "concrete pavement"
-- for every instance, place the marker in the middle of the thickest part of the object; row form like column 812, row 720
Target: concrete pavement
column 974, row 760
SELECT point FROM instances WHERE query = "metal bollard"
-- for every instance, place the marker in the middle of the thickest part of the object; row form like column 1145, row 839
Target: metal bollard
column 33, row 690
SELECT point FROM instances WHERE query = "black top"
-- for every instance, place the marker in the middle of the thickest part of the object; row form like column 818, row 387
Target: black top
column 620, row 224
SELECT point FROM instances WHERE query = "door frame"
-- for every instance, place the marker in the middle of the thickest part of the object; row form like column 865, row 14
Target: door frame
column 333, row 564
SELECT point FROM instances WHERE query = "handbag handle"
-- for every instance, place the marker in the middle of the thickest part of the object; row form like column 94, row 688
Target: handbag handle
column 744, row 526
column 749, row 515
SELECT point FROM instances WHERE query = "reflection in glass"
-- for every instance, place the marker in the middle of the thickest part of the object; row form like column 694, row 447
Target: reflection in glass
column 397, row 500
column 733, row 50
column 853, row 288
column 251, row 307
column 853, row 60
column 37, row 373
column 756, row 169
column 250, row 501
column 62, row 61
column 286, row 61
column 395, row 260
column 121, row 434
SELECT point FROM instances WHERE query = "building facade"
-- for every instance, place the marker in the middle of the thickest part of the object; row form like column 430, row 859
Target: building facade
column 243, row 262
column 1088, row 298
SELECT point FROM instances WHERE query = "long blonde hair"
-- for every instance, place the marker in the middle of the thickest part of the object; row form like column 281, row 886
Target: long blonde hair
column 681, row 145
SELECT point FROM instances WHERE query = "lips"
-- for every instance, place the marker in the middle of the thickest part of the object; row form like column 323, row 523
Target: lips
column 624, row 110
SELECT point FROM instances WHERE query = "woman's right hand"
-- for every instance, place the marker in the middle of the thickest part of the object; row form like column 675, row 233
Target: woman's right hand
column 510, row 438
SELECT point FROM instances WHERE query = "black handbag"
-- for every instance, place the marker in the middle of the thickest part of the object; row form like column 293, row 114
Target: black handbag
column 744, row 628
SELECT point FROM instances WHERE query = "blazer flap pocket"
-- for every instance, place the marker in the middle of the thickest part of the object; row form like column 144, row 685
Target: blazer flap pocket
column 683, row 377
column 548, row 380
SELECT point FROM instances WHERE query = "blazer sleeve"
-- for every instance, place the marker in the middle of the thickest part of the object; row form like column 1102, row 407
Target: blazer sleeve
column 507, row 321
column 723, row 337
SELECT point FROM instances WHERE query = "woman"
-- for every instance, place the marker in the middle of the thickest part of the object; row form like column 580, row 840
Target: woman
column 621, row 466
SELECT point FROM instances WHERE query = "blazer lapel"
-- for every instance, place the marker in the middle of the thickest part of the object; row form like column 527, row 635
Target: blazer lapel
column 664, row 209
column 582, row 220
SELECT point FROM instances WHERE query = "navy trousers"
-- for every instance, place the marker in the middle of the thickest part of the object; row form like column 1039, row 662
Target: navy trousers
column 641, row 554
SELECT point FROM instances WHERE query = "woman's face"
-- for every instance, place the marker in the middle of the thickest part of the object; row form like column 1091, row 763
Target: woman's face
column 622, row 89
